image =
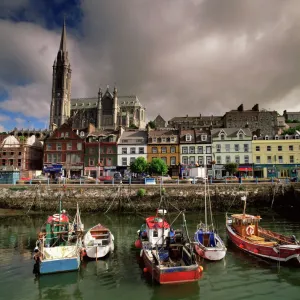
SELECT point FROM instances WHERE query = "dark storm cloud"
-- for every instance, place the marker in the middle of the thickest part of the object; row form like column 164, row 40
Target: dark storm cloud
column 179, row 56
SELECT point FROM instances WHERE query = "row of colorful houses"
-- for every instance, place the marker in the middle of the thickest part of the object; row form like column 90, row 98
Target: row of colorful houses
column 99, row 153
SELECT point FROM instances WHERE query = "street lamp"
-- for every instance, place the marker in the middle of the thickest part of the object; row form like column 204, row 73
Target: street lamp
column 99, row 160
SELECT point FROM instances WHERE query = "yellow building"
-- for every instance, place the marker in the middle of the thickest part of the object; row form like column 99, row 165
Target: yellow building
column 164, row 144
column 276, row 156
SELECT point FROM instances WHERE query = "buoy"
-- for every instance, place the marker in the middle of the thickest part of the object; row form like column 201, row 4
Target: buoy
column 145, row 270
column 138, row 244
column 200, row 269
column 241, row 245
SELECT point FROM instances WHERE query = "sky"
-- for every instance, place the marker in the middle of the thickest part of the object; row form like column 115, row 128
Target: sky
column 180, row 57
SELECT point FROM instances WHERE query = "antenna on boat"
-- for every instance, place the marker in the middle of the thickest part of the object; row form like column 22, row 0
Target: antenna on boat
column 244, row 198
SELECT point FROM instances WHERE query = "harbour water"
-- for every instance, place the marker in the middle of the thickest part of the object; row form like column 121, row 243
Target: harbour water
column 238, row 276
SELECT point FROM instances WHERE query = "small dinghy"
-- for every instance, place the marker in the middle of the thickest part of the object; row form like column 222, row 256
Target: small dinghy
column 98, row 242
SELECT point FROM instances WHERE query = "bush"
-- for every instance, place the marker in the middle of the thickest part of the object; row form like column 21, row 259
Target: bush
column 141, row 192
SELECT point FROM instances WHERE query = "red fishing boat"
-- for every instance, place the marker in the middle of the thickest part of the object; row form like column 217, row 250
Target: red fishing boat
column 167, row 255
column 244, row 231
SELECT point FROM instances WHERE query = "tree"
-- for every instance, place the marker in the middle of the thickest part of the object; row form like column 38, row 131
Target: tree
column 231, row 168
column 291, row 131
column 158, row 166
column 140, row 165
column 132, row 126
column 151, row 124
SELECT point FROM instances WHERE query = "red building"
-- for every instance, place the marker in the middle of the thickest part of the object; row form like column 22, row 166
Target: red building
column 64, row 152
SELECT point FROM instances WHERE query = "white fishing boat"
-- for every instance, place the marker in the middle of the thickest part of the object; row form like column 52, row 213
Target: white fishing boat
column 98, row 242
column 208, row 243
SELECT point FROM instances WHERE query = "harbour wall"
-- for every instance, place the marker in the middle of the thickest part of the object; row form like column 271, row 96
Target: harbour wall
column 135, row 198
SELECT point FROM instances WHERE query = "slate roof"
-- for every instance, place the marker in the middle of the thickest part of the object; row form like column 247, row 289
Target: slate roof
column 230, row 132
column 133, row 137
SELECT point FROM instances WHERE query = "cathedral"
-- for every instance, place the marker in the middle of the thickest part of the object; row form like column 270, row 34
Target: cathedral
column 107, row 111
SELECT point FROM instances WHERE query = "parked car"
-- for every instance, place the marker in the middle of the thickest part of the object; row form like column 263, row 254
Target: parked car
column 105, row 178
column 117, row 175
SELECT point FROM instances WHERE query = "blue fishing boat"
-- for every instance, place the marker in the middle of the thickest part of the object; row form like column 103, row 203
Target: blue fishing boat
column 59, row 245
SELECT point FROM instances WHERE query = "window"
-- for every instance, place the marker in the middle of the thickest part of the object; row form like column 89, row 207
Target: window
column 188, row 138
column 173, row 139
column 108, row 161
column 141, row 150
column 208, row 160
column 155, row 233
column 257, row 148
column 227, row 159
column 280, row 159
column 258, row 159
column 163, row 140
column 269, row 148
column 163, row 149
column 20, row 153
column 236, row 147
column 222, row 136
column 132, row 150
column 164, row 159
column 58, row 146
column 276, row 137
column 48, row 158
column 192, row 160
column 203, row 137
column 237, row 159
column 269, row 159
column 286, row 137
column 297, row 137
column 132, row 159
column 192, row 150
column 91, row 162
column 124, row 161
column 62, row 134
column 246, row 147
column 291, row 147
column 219, row 160
column 218, row 147
column 79, row 146
column 266, row 137
column 66, row 134
column 109, row 150
column 185, row 160
column 241, row 136
column 255, row 137
column 154, row 140
column 200, row 149
column 246, row 159
column 200, row 160
column 291, row 159
column 279, row 148
column 227, row 147
column 69, row 146
column 173, row 150
column 173, row 160
column 185, row 150
column 124, row 151
column 208, row 149
column 154, row 149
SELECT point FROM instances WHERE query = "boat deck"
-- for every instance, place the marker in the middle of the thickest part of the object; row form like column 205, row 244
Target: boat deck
column 260, row 240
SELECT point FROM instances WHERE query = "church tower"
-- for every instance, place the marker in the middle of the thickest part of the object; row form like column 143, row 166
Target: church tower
column 61, row 85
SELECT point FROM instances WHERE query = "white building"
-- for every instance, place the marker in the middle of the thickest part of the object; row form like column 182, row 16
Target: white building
column 131, row 145
column 232, row 145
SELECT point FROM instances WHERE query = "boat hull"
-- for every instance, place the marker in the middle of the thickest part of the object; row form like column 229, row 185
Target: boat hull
column 94, row 252
column 282, row 253
column 59, row 265
column 210, row 253
column 172, row 275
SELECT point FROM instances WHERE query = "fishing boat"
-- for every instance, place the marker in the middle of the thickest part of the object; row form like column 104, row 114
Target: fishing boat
column 207, row 243
column 98, row 242
column 244, row 231
column 59, row 245
column 169, row 260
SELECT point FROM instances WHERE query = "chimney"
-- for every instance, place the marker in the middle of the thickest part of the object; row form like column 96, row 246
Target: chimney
column 255, row 107
column 241, row 108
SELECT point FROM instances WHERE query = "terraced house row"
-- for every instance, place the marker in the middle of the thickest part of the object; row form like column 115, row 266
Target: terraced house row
column 95, row 152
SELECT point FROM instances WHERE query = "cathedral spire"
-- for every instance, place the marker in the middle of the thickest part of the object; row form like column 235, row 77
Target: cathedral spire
column 63, row 40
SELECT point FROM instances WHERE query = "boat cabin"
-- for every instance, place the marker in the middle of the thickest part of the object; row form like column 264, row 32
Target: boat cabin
column 245, row 225
column 158, row 229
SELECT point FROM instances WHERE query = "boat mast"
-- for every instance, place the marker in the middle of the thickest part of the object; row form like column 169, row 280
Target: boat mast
column 205, row 207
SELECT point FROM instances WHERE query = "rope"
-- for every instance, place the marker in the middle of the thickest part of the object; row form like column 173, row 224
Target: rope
column 112, row 201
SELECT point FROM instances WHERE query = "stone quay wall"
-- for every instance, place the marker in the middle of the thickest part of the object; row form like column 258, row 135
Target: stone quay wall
column 135, row 198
